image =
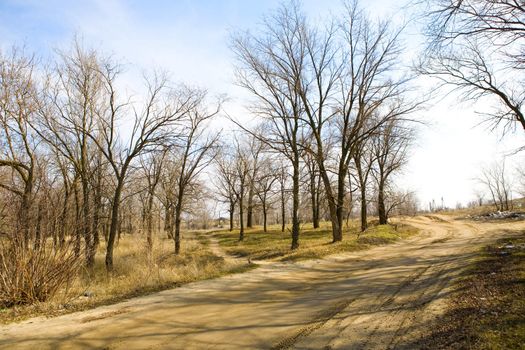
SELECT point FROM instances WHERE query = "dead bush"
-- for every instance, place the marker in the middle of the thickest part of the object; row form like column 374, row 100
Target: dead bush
column 33, row 274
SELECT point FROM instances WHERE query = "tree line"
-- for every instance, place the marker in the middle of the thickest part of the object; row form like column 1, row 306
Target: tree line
column 333, row 104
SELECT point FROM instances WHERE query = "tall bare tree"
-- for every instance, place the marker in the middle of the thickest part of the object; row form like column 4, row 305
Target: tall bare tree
column 18, row 106
column 197, row 148
column 67, row 123
column 350, row 73
column 153, row 125
column 264, row 71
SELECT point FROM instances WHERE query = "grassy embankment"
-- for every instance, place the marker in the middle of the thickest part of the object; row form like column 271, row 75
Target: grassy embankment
column 314, row 243
column 487, row 308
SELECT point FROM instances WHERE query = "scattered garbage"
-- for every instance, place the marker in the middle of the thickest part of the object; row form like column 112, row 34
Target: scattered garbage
column 499, row 215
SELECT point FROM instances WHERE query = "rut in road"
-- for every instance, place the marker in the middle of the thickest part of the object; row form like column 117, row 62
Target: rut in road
column 391, row 320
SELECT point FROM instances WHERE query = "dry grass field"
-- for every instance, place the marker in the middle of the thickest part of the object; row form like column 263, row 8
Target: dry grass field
column 136, row 273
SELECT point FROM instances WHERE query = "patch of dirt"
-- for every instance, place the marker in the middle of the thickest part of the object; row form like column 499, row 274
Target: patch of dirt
column 487, row 308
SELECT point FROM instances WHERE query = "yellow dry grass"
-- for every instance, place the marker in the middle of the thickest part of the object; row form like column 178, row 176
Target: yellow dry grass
column 135, row 273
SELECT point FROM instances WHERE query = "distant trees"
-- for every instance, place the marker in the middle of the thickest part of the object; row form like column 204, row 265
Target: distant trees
column 495, row 179
column 226, row 181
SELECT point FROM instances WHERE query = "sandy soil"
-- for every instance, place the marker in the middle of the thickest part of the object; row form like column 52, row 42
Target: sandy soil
column 381, row 298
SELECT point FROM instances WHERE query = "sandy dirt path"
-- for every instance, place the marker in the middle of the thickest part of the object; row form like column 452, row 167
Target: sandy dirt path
column 376, row 299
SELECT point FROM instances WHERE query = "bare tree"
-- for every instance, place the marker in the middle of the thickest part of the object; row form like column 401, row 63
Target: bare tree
column 197, row 150
column 67, row 123
column 477, row 48
column 390, row 147
column 357, row 79
column 264, row 182
column 494, row 178
column 226, row 181
column 18, row 106
column 264, row 71
column 151, row 165
column 153, row 124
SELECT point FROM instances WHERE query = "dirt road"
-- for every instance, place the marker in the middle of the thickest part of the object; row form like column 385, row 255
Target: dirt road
column 376, row 299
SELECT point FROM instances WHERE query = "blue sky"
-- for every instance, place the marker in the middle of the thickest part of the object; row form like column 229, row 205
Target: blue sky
column 190, row 39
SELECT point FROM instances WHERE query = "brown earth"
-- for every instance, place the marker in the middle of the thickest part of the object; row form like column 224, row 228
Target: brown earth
column 385, row 297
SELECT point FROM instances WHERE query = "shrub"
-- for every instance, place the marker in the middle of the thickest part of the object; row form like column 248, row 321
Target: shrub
column 29, row 275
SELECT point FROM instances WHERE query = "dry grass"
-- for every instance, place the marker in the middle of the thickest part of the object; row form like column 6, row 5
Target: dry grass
column 135, row 273
column 314, row 243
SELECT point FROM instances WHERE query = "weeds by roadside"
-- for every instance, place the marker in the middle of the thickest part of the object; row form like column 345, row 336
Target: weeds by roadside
column 134, row 275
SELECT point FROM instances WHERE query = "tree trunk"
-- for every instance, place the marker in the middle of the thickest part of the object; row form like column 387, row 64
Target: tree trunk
column 149, row 223
column 38, row 230
column 168, row 218
column 381, row 209
column 178, row 212
column 332, row 203
column 283, row 209
column 295, row 206
column 364, row 220
column 96, row 220
column 264, row 216
column 241, row 218
column 24, row 219
column 249, row 209
column 362, row 187
column 86, row 229
column 63, row 218
column 232, row 212
column 113, row 228
column 314, row 193
column 77, row 220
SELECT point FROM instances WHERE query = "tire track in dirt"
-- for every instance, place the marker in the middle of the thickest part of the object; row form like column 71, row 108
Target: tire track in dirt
column 401, row 305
